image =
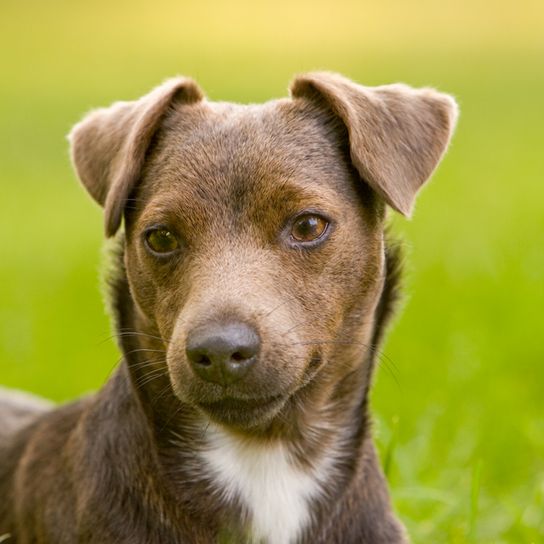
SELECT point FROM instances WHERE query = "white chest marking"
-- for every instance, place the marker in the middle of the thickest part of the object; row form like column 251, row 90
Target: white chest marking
column 274, row 491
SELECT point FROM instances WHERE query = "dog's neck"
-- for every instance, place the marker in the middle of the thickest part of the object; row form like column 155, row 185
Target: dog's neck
column 258, row 489
column 271, row 485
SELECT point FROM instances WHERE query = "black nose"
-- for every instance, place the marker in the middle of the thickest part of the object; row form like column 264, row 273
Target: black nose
column 222, row 353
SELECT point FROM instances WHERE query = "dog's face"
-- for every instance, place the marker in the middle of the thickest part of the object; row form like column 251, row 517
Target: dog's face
column 253, row 247
column 253, row 227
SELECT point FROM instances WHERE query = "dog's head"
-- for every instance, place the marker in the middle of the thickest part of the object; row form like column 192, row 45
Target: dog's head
column 254, row 234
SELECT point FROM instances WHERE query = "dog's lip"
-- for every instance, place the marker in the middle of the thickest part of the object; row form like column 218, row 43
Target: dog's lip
column 233, row 404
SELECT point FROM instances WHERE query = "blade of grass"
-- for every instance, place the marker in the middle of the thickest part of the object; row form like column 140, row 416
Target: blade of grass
column 390, row 451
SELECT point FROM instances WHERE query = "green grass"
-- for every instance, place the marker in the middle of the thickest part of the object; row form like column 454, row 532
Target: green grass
column 458, row 399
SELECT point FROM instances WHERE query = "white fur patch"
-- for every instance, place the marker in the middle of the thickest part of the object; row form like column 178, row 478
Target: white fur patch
column 274, row 491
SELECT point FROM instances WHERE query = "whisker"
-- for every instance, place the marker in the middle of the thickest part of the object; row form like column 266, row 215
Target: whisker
column 275, row 308
column 130, row 332
column 145, row 350
column 288, row 331
column 383, row 359
column 148, row 363
column 144, row 335
column 150, row 377
column 161, row 394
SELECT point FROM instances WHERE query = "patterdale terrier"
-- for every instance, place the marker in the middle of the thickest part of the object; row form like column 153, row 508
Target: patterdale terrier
column 251, row 287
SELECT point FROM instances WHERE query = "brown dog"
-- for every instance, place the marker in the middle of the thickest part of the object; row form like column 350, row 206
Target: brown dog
column 251, row 290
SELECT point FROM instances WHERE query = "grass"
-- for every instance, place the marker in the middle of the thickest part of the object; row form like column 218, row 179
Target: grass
column 458, row 400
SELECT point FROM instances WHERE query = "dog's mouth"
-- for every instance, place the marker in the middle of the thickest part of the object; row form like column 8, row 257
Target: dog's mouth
column 242, row 413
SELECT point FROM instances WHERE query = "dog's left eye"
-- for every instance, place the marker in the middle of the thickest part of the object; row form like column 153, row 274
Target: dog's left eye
column 309, row 228
column 161, row 240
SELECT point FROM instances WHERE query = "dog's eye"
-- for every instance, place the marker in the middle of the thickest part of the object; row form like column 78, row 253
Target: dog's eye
column 308, row 228
column 161, row 240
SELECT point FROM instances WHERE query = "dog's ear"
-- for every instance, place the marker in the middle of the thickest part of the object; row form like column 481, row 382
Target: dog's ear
column 109, row 145
column 397, row 135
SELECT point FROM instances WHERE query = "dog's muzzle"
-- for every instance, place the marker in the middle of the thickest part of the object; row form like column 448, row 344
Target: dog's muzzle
column 223, row 353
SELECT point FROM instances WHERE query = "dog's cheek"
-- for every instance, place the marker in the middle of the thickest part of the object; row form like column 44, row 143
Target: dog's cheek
column 357, row 296
column 285, row 353
column 342, row 300
column 143, row 286
column 168, row 305
column 175, row 326
column 186, row 385
column 180, row 376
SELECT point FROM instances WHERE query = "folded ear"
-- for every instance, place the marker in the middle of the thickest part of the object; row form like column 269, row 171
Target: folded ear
column 397, row 135
column 109, row 145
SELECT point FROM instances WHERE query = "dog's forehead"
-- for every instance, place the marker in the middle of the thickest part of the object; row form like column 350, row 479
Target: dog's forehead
column 213, row 149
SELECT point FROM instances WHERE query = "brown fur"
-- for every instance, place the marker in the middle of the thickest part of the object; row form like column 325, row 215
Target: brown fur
column 123, row 465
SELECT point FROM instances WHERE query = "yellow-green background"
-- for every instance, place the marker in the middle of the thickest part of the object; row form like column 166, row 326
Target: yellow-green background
column 459, row 396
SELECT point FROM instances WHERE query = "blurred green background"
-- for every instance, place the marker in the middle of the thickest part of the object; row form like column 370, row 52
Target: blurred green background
column 459, row 397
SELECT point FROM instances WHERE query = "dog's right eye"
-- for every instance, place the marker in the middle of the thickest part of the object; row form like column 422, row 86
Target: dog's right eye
column 161, row 240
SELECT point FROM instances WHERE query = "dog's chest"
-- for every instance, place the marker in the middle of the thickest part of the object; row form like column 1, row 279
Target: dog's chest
column 276, row 494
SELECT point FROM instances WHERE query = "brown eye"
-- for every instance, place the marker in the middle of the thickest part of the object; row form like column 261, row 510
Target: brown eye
column 161, row 240
column 308, row 228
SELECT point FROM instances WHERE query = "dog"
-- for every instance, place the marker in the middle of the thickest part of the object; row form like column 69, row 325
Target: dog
column 251, row 287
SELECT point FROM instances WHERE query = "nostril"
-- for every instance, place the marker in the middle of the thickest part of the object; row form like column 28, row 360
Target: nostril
column 203, row 360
